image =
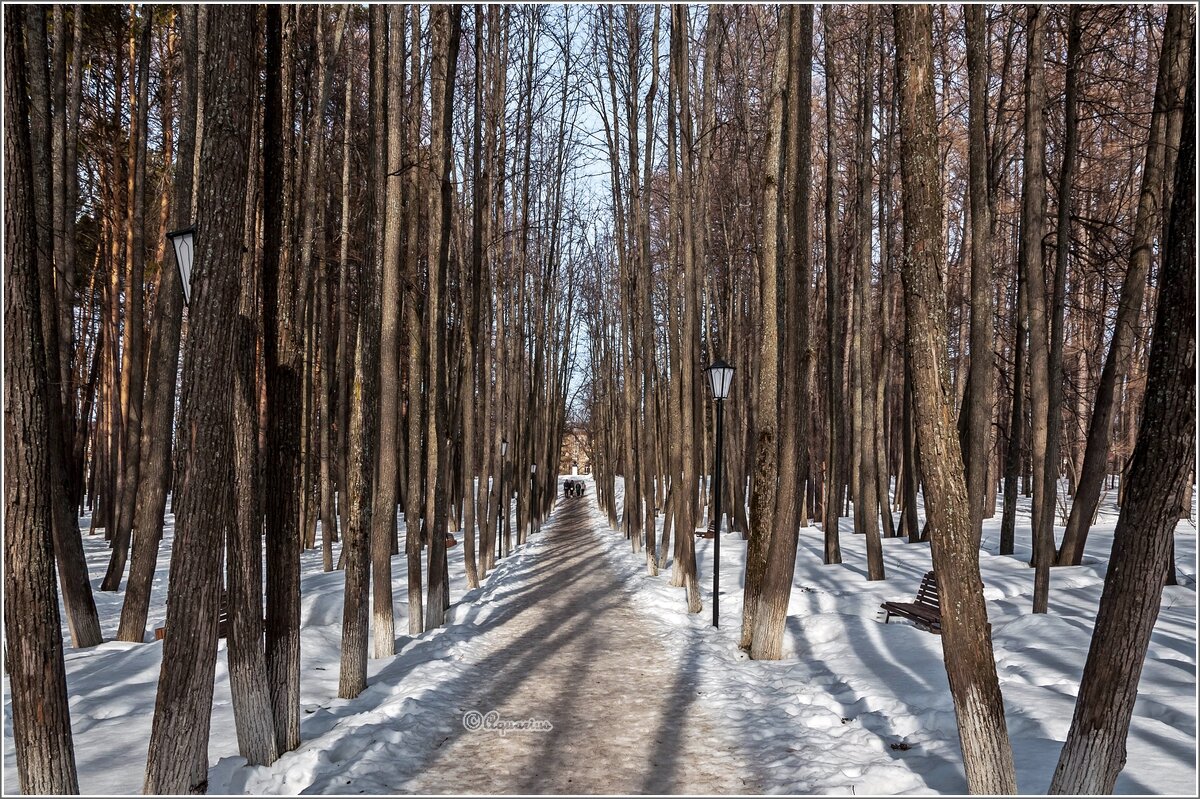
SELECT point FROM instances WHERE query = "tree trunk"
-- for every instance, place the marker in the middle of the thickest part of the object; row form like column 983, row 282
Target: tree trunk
column 1016, row 424
column 41, row 720
column 470, row 293
column 283, row 365
column 1094, row 752
column 390, row 217
column 686, row 525
column 833, row 304
column 1057, row 307
column 345, row 324
column 866, row 496
column 764, row 488
column 64, row 274
column 447, row 33
column 651, row 477
column 178, row 756
column 771, row 614
column 966, row 641
column 363, row 540
column 252, row 714
column 132, row 369
column 417, row 378
column 1172, row 70
column 979, row 379
column 155, row 474
column 911, row 461
column 78, row 602
column 71, row 202
column 1033, row 212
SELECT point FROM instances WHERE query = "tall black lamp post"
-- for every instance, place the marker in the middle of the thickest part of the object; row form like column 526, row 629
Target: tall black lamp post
column 534, row 510
column 182, row 242
column 720, row 379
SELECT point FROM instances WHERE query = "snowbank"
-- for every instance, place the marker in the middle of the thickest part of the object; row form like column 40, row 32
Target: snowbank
column 884, row 687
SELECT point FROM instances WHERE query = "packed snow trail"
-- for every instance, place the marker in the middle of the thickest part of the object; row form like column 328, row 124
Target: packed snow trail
column 553, row 638
column 571, row 650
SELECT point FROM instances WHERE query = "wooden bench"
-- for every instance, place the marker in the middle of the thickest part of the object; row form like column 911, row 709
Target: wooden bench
column 925, row 611
column 222, row 620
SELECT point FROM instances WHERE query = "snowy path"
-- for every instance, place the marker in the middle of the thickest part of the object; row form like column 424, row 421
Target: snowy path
column 571, row 650
column 552, row 637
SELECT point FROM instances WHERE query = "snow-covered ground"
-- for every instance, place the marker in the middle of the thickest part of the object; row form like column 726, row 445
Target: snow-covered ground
column 844, row 668
column 857, row 706
column 112, row 687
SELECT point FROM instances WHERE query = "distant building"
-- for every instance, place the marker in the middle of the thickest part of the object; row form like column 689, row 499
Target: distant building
column 575, row 456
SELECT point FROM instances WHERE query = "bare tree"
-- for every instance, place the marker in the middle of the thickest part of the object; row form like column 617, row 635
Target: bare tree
column 41, row 718
column 966, row 641
column 833, row 304
column 771, row 614
column 764, row 488
column 283, row 358
column 383, row 515
column 165, row 331
column 1172, row 71
column 1094, row 752
column 979, row 389
column 1033, row 212
column 178, row 757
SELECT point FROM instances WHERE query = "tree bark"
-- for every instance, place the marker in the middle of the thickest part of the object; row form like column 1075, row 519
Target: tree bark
column 1057, row 307
column 417, row 379
column 866, row 491
column 833, row 304
column 1094, row 752
column 447, row 33
column 966, row 641
column 283, row 364
column 362, row 540
column 1033, row 212
column 41, row 720
column 155, row 474
column 78, row 602
column 471, row 289
column 1016, row 424
column 979, row 379
column 764, row 488
column 178, row 756
column 132, row 369
column 691, row 324
column 383, row 516
column 346, row 323
column 252, row 713
column 771, row 614
column 1172, row 71
column 652, row 477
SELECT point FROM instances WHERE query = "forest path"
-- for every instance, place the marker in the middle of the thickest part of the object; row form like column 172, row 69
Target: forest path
column 564, row 646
